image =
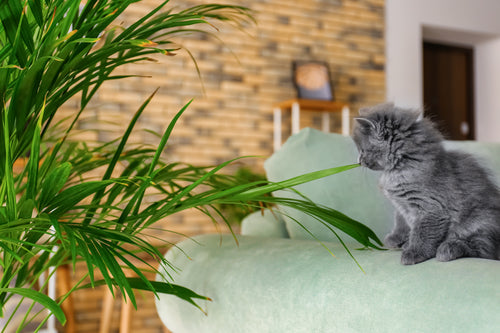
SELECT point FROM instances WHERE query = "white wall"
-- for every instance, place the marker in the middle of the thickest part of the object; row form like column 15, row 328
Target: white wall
column 467, row 22
column 487, row 76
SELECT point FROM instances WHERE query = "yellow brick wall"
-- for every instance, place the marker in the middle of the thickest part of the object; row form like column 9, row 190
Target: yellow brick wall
column 241, row 79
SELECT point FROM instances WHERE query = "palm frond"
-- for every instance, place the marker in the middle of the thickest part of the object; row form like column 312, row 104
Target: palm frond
column 55, row 211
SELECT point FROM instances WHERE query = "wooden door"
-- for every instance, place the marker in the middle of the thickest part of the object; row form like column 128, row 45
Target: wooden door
column 448, row 89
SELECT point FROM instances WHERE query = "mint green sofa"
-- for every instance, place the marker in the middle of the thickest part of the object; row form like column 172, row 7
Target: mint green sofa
column 279, row 279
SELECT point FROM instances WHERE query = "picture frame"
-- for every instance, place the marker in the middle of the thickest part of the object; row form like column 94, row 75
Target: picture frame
column 312, row 80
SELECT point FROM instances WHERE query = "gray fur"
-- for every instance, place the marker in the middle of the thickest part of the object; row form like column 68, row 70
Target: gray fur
column 447, row 205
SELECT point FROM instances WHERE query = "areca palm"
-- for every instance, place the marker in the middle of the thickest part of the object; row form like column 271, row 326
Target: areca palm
column 52, row 212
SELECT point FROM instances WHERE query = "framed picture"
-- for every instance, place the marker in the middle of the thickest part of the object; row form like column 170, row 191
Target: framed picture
column 312, row 80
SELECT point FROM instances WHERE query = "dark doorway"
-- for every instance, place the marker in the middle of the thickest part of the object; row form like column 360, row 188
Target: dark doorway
column 448, row 89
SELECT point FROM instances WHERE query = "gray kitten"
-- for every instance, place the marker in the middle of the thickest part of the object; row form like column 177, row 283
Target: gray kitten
column 447, row 205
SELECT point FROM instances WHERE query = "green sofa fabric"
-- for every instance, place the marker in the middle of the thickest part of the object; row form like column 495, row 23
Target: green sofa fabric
column 264, row 223
column 282, row 285
column 271, row 283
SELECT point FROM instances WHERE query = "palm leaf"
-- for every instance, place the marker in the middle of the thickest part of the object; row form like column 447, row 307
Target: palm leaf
column 55, row 210
column 41, row 298
column 160, row 287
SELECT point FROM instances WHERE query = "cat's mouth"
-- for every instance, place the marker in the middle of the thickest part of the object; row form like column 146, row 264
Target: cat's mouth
column 372, row 165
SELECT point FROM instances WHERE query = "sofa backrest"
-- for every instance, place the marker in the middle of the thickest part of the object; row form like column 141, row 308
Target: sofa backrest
column 354, row 192
column 487, row 153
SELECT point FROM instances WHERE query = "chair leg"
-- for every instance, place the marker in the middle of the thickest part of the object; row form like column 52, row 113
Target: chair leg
column 64, row 276
column 126, row 314
column 107, row 311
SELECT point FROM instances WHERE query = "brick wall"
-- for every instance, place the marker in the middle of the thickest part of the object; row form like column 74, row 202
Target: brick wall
column 241, row 79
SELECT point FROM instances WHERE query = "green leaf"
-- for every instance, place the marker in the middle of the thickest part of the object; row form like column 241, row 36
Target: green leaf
column 296, row 180
column 11, row 66
column 34, row 160
column 166, row 288
column 166, row 136
column 40, row 298
column 137, row 199
column 37, row 11
column 118, row 152
column 71, row 196
column 26, row 209
column 8, row 179
column 54, row 183
column 160, row 287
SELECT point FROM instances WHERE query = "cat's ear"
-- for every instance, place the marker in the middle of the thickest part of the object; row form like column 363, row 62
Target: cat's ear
column 364, row 122
column 417, row 115
column 420, row 115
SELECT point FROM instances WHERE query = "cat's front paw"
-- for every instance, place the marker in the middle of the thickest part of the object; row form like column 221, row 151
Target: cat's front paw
column 395, row 241
column 412, row 256
column 451, row 250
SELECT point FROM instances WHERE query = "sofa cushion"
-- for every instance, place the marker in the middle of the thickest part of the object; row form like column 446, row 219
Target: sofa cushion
column 282, row 285
column 265, row 223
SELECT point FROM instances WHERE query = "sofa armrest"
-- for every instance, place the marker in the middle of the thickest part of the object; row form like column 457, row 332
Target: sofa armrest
column 265, row 223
